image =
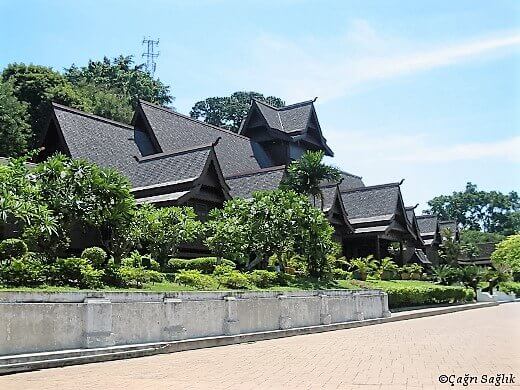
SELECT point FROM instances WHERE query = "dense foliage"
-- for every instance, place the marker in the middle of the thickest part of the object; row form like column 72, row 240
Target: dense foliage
column 229, row 111
column 307, row 174
column 108, row 88
column 272, row 223
column 492, row 211
column 507, row 254
column 15, row 132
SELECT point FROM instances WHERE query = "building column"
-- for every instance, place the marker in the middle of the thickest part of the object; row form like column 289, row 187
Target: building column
column 98, row 322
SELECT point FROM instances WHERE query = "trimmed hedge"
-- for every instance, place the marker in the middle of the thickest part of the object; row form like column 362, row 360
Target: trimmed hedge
column 404, row 294
column 205, row 265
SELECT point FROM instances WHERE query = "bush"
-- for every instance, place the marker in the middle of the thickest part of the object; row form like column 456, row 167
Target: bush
column 284, row 279
column 28, row 271
column 194, row 278
column 138, row 276
column 507, row 254
column 12, row 248
column 233, row 279
column 95, row 255
column 404, row 294
column 411, row 271
column 510, row 287
column 75, row 272
column 205, row 265
column 263, row 278
column 341, row 274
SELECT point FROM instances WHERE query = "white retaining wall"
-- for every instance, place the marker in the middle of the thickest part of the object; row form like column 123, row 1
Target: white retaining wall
column 37, row 322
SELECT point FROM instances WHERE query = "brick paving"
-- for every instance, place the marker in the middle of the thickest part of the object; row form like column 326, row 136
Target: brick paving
column 408, row 354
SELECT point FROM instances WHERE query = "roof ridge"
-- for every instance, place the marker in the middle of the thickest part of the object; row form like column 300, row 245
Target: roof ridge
column 286, row 107
column 92, row 116
column 156, row 156
column 351, row 174
column 192, row 119
column 426, row 216
column 396, row 184
column 256, row 171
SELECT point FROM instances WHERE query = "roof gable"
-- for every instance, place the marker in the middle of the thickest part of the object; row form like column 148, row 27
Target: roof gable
column 174, row 131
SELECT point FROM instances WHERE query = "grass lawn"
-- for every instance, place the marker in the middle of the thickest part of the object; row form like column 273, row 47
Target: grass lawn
column 298, row 284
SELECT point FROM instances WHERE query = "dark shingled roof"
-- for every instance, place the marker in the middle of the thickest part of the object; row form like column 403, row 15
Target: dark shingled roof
column 170, row 167
column 289, row 119
column 347, row 182
column 329, row 196
column 372, row 201
column 243, row 185
column 112, row 144
column 174, row 131
column 427, row 224
column 452, row 225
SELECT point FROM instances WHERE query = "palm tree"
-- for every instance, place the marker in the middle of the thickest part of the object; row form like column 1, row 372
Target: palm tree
column 309, row 172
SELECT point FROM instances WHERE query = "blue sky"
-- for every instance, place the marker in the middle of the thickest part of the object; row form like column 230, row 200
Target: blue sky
column 428, row 91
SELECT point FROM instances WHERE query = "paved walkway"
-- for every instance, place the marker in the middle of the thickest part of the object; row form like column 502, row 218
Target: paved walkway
column 408, row 354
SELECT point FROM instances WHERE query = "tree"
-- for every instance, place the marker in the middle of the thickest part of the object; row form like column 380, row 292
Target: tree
column 121, row 76
column 472, row 237
column 306, row 175
column 38, row 85
column 491, row 211
column 272, row 223
column 164, row 229
column 507, row 254
column 15, row 131
column 228, row 112
column 82, row 194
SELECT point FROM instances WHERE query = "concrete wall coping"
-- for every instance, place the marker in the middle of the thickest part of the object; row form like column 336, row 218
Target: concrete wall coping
column 143, row 296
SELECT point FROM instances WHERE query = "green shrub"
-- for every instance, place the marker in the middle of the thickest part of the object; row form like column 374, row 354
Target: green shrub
column 205, row 265
column 222, row 269
column 194, row 278
column 341, row 274
column 138, row 276
column 95, row 255
column 263, row 278
column 411, row 272
column 75, row 272
column 12, row 248
column 28, row 271
column 234, row 279
column 112, row 277
column 403, row 294
column 284, row 279
column 510, row 287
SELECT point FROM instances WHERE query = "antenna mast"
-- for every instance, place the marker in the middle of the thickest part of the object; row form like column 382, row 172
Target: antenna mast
column 150, row 54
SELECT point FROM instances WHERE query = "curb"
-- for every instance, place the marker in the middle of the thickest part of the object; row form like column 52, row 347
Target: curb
column 37, row 361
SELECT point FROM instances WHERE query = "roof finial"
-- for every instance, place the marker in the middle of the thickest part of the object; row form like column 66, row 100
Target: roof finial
column 216, row 142
column 316, row 98
column 401, row 182
column 414, row 207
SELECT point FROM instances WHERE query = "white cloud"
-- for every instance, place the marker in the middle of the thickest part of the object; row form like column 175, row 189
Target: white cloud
column 331, row 68
column 420, row 149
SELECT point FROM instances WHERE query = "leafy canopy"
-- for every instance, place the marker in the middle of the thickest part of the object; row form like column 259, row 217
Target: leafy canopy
column 15, row 132
column 229, row 111
column 492, row 211
column 306, row 175
column 507, row 254
column 272, row 223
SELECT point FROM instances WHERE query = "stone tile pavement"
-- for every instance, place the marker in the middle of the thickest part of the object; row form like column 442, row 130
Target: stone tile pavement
column 408, row 354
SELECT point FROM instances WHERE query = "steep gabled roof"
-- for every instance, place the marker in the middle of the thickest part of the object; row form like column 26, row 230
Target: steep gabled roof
column 429, row 228
column 174, row 131
column 347, row 182
column 428, row 224
column 375, row 209
column 114, row 145
column 96, row 139
column 289, row 119
column 290, row 123
column 412, row 219
column 379, row 201
column 332, row 203
column 244, row 184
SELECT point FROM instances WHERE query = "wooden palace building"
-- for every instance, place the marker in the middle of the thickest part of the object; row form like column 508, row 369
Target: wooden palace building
column 173, row 159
